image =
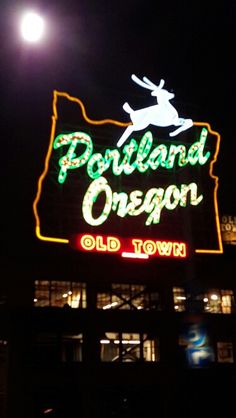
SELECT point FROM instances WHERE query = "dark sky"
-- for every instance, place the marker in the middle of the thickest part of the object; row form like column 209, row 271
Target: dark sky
column 90, row 50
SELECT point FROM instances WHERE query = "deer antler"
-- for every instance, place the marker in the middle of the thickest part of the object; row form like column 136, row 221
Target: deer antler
column 154, row 86
column 141, row 83
column 146, row 83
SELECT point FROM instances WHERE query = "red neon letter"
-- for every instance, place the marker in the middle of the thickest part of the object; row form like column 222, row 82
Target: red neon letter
column 137, row 245
column 99, row 244
column 87, row 242
column 113, row 244
column 179, row 249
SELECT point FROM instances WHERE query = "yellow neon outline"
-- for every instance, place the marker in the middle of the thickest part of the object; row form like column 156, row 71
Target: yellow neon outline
column 57, row 94
column 216, row 180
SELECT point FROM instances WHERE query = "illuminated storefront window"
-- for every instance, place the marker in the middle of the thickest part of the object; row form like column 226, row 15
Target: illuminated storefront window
column 210, row 301
column 179, row 297
column 128, row 347
column 219, row 301
column 128, row 296
column 60, row 294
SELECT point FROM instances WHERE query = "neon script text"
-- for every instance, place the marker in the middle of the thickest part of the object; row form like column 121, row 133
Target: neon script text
column 135, row 156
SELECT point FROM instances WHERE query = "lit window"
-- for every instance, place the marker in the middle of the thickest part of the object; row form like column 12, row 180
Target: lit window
column 219, row 301
column 179, row 299
column 126, row 296
column 225, row 352
column 227, row 301
column 127, row 347
column 60, row 294
column 42, row 293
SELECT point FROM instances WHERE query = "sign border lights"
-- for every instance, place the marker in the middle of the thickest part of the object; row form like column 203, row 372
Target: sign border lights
column 144, row 157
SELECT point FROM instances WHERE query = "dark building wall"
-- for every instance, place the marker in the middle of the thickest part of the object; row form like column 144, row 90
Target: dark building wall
column 98, row 389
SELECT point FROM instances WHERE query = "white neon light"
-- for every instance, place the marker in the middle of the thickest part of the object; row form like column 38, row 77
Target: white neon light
column 162, row 114
column 134, row 255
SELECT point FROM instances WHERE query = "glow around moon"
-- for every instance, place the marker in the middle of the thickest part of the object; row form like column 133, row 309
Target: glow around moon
column 32, row 27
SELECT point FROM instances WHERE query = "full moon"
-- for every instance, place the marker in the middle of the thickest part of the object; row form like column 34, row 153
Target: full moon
column 32, row 27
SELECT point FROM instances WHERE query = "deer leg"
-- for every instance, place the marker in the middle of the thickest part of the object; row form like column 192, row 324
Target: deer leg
column 125, row 135
column 184, row 124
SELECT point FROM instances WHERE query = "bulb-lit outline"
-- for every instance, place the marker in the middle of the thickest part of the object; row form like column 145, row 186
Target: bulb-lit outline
column 57, row 94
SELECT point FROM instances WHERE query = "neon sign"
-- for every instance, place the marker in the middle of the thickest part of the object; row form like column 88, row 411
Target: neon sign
column 148, row 186
column 129, row 247
column 161, row 114
column 136, row 156
column 136, row 203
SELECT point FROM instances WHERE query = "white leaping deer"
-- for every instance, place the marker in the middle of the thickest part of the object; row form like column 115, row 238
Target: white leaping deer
column 162, row 114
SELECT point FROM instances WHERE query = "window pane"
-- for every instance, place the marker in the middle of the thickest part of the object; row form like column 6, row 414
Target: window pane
column 42, row 293
column 125, row 296
column 78, row 296
column 130, row 344
column 227, row 301
column 109, row 347
column 128, row 347
column 60, row 293
column 104, row 301
column 225, row 352
column 151, row 350
column 179, row 299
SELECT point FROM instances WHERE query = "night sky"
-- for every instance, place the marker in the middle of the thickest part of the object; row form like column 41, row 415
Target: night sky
column 90, row 50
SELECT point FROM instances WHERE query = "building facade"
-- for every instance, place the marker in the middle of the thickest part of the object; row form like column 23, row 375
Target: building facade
column 96, row 335
column 143, row 323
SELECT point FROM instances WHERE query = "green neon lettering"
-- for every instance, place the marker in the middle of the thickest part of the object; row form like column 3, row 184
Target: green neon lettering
column 195, row 153
column 172, row 197
column 95, row 189
column 158, row 157
column 135, row 200
column 96, row 160
column 154, row 204
column 70, row 161
column 194, row 199
column 174, row 150
column 120, row 200
column 140, row 157
column 135, row 203
column 143, row 151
